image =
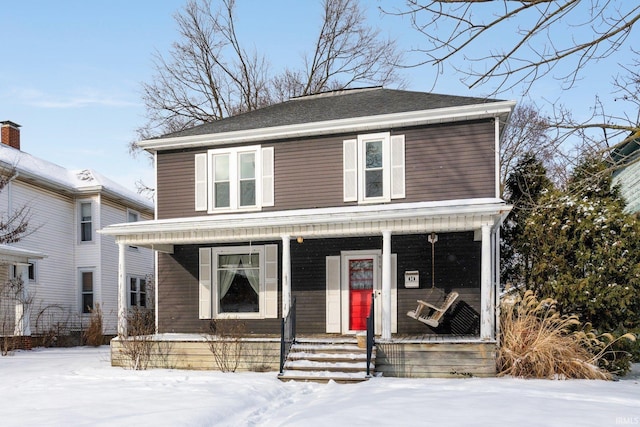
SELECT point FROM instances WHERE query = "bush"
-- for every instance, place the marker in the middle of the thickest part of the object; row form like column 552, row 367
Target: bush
column 538, row 342
column 137, row 343
column 93, row 334
column 225, row 343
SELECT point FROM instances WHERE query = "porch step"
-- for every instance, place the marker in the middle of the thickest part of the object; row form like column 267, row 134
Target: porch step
column 341, row 361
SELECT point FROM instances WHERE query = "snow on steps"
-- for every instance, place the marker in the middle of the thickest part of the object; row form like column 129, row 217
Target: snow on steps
column 341, row 361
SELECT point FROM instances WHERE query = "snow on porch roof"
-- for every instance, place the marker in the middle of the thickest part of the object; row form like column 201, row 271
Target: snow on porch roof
column 12, row 255
column 421, row 217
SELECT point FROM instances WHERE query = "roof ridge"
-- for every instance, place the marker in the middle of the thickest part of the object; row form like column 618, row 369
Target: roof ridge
column 336, row 92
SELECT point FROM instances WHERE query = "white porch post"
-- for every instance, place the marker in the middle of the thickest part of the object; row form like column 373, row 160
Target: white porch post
column 286, row 274
column 386, row 284
column 122, row 290
column 486, row 302
column 23, row 314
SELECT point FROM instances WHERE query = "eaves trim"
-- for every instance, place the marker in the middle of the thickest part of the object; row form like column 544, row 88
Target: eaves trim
column 354, row 124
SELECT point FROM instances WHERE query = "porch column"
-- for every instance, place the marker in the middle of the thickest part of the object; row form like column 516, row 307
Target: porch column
column 23, row 314
column 386, row 284
column 486, row 303
column 286, row 274
column 122, row 290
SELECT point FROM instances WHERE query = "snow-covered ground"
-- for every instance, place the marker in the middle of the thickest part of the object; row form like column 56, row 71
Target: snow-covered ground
column 78, row 387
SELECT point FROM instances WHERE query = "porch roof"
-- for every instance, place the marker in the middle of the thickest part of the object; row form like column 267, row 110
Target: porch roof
column 403, row 218
column 13, row 255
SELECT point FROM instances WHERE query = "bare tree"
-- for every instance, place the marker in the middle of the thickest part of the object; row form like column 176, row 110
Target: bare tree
column 528, row 132
column 542, row 35
column 14, row 225
column 347, row 52
column 208, row 74
column 546, row 38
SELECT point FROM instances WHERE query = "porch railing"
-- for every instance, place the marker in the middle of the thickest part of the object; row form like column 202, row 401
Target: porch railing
column 287, row 334
column 370, row 332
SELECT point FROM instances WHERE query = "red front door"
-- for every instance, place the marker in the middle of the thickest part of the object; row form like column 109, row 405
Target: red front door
column 361, row 279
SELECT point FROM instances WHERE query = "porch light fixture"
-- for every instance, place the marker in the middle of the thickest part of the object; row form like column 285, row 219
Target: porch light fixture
column 300, row 239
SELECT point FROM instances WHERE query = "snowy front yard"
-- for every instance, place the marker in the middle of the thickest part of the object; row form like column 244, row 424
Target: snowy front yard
column 78, row 387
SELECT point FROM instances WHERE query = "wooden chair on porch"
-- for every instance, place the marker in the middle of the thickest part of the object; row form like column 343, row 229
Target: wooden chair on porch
column 432, row 314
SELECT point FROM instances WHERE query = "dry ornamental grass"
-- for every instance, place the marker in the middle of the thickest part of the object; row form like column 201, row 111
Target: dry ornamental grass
column 538, row 342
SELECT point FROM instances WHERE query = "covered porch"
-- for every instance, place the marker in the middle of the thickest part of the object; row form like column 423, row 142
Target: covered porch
column 15, row 296
column 293, row 233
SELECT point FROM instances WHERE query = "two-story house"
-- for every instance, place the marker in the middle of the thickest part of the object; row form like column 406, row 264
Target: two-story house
column 328, row 199
column 65, row 266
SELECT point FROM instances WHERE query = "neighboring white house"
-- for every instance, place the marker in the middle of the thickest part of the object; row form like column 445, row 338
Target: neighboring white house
column 66, row 266
column 627, row 176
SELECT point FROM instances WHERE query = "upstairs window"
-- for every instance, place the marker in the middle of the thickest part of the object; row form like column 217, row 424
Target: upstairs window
column 233, row 179
column 86, row 222
column 374, row 168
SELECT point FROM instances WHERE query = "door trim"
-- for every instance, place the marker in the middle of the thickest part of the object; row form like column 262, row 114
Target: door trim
column 345, row 256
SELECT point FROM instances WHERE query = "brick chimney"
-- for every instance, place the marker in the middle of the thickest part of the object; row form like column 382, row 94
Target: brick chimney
column 10, row 134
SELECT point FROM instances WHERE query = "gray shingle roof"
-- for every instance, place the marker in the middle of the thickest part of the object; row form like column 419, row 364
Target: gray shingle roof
column 333, row 106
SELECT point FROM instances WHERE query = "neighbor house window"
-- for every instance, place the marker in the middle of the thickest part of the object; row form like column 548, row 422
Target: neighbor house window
column 238, row 282
column 137, row 292
column 132, row 216
column 86, row 222
column 32, row 272
column 374, row 168
column 234, row 179
column 86, row 283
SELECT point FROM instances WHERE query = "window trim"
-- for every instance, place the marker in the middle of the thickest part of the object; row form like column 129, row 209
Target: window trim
column 82, row 293
column 81, row 222
column 234, row 179
column 385, row 137
column 250, row 249
column 137, row 279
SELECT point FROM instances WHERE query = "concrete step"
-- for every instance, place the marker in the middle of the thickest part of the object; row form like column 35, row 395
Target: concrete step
column 340, row 360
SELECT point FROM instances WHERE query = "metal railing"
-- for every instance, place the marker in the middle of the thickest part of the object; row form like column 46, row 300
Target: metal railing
column 370, row 332
column 287, row 334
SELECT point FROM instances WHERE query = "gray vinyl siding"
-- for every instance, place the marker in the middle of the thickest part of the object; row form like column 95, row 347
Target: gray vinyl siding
column 175, row 186
column 443, row 162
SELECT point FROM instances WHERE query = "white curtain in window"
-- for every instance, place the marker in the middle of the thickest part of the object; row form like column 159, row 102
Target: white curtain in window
column 253, row 275
column 227, row 268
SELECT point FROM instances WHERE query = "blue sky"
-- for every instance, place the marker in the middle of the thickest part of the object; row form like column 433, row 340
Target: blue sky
column 70, row 70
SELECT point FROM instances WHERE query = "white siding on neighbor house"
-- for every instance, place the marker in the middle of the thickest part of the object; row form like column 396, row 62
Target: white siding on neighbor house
column 54, row 292
column 139, row 262
column 629, row 180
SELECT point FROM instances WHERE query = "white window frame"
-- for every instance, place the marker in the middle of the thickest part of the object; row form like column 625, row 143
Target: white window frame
column 81, row 271
column 234, row 178
column 137, row 279
column 81, row 222
column 260, row 314
column 385, row 137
